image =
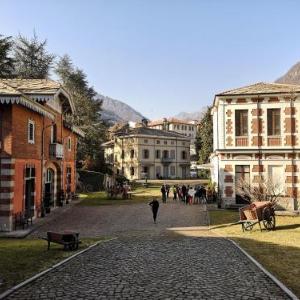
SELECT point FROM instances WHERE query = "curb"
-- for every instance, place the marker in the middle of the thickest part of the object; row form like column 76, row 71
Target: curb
column 38, row 275
column 272, row 277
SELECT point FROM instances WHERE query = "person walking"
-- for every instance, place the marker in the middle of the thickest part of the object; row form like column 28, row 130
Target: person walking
column 163, row 193
column 167, row 190
column 154, row 206
column 184, row 192
column 174, row 192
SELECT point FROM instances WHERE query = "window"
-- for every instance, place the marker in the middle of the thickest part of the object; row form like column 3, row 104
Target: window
column 277, row 179
column 166, row 154
column 183, row 143
column 183, row 155
column 69, row 143
column 190, row 128
column 31, row 131
column 172, row 170
column 146, row 153
column 53, row 134
column 132, row 153
column 193, row 128
column 122, row 171
column 241, row 122
column 274, row 121
column 122, row 154
column 172, row 154
column 157, row 142
column 146, row 141
column 157, row 153
column 172, row 142
column 132, row 171
column 145, row 170
column 157, row 171
column 165, row 142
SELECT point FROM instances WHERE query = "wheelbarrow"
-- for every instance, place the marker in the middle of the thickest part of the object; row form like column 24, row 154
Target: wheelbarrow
column 255, row 213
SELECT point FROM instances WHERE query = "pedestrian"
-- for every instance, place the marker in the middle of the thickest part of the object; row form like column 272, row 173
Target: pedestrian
column 174, row 192
column 167, row 190
column 183, row 191
column 154, row 206
column 163, row 193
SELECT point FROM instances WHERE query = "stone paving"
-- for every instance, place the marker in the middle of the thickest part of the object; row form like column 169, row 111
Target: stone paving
column 94, row 221
column 146, row 261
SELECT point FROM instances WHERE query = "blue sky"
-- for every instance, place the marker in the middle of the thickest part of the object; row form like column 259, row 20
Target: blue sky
column 163, row 57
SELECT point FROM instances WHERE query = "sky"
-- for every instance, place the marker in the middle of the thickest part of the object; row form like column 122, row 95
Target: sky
column 164, row 56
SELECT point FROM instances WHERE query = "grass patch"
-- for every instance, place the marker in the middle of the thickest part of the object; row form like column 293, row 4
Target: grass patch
column 22, row 258
column 278, row 251
column 140, row 195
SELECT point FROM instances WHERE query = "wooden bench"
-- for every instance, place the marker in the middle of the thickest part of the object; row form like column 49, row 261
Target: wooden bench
column 70, row 240
column 22, row 219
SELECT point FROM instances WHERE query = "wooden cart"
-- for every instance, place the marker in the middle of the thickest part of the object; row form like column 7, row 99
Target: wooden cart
column 257, row 212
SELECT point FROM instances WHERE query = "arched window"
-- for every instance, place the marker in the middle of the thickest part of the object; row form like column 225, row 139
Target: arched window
column 132, row 153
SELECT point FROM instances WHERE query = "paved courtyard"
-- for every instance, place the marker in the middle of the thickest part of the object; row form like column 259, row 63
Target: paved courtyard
column 146, row 261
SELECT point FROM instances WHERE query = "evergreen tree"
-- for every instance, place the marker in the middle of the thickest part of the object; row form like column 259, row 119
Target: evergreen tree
column 204, row 138
column 87, row 116
column 31, row 58
column 6, row 61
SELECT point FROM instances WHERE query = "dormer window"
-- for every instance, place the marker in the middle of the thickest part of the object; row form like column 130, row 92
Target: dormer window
column 31, row 131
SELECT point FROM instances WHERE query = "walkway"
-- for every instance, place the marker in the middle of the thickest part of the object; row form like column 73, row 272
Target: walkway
column 147, row 261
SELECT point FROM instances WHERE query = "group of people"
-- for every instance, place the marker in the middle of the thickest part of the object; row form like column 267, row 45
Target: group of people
column 115, row 190
column 186, row 194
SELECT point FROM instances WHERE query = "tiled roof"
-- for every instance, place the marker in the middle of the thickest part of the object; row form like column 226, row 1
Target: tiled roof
column 262, row 88
column 29, row 86
column 153, row 132
column 169, row 120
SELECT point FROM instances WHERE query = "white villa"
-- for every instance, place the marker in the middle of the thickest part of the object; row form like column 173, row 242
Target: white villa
column 256, row 136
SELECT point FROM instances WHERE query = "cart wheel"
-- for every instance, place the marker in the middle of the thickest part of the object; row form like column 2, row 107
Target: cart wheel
column 248, row 226
column 268, row 218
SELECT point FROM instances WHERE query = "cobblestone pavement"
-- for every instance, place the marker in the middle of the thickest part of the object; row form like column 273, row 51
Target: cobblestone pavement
column 146, row 261
column 160, row 267
column 94, row 221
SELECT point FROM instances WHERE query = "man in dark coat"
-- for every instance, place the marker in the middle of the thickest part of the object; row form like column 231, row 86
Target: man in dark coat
column 154, row 206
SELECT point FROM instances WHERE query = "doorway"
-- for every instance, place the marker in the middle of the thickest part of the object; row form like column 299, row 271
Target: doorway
column 49, row 190
column 29, row 191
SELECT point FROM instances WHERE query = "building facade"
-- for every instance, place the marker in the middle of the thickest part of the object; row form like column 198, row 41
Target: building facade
column 186, row 128
column 143, row 152
column 256, row 138
column 37, row 148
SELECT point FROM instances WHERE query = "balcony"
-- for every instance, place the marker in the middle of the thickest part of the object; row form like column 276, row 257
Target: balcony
column 167, row 160
column 56, row 151
column 274, row 141
column 241, row 141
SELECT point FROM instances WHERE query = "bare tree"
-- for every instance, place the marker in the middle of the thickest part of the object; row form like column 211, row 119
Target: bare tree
column 264, row 190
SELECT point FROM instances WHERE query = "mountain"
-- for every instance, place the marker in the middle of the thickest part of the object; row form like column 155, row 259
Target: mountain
column 114, row 111
column 292, row 76
column 191, row 116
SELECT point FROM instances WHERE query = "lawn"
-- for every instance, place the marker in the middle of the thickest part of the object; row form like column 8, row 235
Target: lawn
column 22, row 258
column 278, row 251
column 140, row 194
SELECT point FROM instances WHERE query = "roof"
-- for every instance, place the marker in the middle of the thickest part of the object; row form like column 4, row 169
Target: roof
column 108, row 144
column 170, row 120
column 262, row 88
column 37, row 89
column 31, row 86
column 153, row 132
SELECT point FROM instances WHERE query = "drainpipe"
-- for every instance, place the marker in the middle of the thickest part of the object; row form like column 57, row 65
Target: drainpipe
column 42, row 165
column 292, row 99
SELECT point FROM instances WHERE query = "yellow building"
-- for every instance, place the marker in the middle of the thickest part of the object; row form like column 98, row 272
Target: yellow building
column 142, row 152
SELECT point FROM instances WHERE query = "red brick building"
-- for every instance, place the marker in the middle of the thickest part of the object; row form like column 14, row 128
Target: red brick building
column 37, row 148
